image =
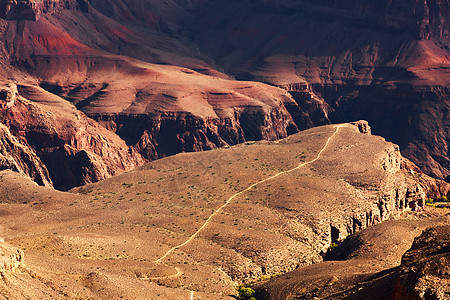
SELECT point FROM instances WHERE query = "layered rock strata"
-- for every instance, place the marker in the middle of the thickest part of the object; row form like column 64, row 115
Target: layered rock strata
column 56, row 145
column 32, row 10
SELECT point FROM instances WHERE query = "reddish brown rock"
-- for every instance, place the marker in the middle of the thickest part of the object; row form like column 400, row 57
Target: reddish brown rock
column 54, row 136
column 363, row 126
column 383, row 62
column 33, row 9
column 17, row 155
column 425, row 269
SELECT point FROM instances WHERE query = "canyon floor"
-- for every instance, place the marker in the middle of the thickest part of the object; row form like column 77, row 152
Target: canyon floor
column 195, row 225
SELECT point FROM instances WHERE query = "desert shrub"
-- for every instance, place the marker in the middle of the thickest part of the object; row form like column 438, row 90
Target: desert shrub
column 332, row 246
column 245, row 293
column 443, row 199
column 431, row 202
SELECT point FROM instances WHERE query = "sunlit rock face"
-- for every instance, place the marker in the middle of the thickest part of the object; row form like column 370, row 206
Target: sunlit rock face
column 31, row 10
column 424, row 272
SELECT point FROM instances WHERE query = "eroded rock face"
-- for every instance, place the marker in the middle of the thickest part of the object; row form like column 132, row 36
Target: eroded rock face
column 11, row 258
column 425, row 268
column 170, row 133
column 8, row 95
column 393, row 187
column 308, row 109
column 56, row 145
column 424, row 18
column 32, row 10
column 17, row 155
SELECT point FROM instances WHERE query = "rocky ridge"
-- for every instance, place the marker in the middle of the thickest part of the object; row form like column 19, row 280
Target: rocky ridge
column 387, row 187
column 424, row 272
column 207, row 221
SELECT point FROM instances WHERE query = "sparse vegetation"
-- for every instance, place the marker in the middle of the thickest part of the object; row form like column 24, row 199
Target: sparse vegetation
column 430, row 202
column 442, row 199
column 332, row 247
column 245, row 293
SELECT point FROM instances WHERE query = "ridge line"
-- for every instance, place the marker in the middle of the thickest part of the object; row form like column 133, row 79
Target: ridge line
column 245, row 190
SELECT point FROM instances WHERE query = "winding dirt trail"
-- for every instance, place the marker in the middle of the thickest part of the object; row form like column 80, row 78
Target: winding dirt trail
column 159, row 260
column 243, row 191
column 164, row 277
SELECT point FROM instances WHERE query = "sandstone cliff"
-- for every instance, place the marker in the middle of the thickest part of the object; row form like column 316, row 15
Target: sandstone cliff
column 48, row 140
column 425, row 19
column 20, row 157
column 16, row 154
column 156, row 136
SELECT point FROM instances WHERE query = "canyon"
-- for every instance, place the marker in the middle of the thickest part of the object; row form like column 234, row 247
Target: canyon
column 202, row 223
column 163, row 85
column 179, row 149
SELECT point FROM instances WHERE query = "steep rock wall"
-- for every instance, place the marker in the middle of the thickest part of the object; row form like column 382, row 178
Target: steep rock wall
column 156, row 136
column 18, row 156
column 414, row 117
column 424, row 272
column 33, row 9
column 54, row 144
column 424, row 18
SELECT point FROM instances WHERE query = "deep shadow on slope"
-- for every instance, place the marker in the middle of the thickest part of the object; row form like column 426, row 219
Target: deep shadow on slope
column 375, row 265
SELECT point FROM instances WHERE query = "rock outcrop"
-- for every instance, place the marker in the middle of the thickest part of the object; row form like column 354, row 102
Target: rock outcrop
column 363, row 126
column 425, row 269
column 32, row 10
column 391, row 186
column 156, row 136
column 11, row 259
column 17, row 155
column 56, row 145
column 8, row 95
